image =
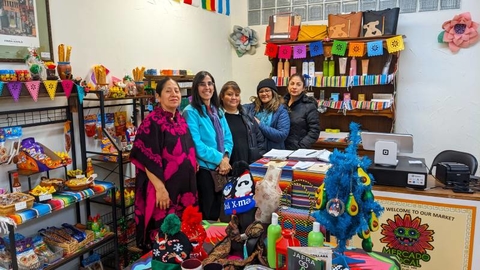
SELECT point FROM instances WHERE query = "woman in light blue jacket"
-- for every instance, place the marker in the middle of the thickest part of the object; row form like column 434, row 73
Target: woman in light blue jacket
column 271, row 115
column 213, row 141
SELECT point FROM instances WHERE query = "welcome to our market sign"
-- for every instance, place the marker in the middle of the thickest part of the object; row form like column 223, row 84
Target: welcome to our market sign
column 426, row 235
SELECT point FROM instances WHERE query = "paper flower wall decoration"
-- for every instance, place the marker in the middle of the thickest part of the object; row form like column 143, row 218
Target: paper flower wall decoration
column 244, row 40
column 460, row 32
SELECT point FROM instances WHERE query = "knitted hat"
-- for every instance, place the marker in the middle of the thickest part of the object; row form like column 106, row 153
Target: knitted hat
column 192, row 227
column 239, row 191
column 171, row 245
column 267, row 83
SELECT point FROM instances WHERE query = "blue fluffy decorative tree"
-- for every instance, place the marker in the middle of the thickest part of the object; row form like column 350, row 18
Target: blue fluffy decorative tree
column 345, row 199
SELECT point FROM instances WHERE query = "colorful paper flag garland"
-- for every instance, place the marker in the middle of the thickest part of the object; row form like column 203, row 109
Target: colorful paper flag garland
column 395, row 44
column 51, row 87
column 80, row 93
column 33, row 88
column 375, row 48
column 67, row 87
column 299, row 51
column 285, row 52
column 271, row 50
column 316, row 48
column 356, row 49
column 339, row 47
column 15, row 88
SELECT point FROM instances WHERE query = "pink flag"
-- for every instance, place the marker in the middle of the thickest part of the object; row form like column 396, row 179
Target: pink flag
column 67, row 87
column 285, row 52
column 33, row 87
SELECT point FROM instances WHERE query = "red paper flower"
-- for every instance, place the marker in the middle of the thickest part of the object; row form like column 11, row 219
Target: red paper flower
column 460, row 32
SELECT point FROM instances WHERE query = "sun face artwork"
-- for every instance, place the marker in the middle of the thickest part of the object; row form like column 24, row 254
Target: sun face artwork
column 408, row 239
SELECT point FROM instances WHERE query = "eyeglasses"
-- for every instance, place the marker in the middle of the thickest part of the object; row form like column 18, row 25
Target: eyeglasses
column 203, row 84
column 264, row 91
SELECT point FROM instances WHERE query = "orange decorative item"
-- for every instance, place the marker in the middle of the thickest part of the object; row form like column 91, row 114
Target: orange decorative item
column 64, row 70
column 286, row 240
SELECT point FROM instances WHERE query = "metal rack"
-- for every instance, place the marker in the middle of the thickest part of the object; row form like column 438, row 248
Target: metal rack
column 121, row 156
column 40, row 117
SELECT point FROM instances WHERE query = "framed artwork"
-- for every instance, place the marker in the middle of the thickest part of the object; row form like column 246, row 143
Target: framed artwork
column 24, row 24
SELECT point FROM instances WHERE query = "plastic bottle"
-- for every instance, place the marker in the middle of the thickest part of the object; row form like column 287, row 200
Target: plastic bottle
column 89, row 171
column 16, row 187
column 274, row 231
column 325, row 68
column 280, row 69
column 315, row 237
column 353, row 67
column 286, row 69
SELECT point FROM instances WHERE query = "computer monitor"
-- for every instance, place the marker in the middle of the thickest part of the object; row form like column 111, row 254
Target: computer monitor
column 387, row 146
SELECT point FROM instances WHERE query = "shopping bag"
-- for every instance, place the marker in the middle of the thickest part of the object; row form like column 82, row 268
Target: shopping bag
column 302, row 217
column 344, row 25
column 283, row 27
column 268, row 194
column 380, row 22
column 312, row 32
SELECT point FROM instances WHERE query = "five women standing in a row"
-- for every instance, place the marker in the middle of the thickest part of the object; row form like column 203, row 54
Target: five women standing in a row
column 220, row 132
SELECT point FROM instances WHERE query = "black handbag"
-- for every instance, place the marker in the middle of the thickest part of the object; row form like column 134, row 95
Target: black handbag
column 380, row 22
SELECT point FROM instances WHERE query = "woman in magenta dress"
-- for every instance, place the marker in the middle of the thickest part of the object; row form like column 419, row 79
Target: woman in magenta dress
column 164, row 156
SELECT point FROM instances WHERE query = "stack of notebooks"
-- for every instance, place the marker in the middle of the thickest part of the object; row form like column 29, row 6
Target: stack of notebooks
column 300, row 154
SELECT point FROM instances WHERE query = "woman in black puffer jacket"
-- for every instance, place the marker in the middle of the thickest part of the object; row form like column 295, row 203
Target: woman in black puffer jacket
column 304, row 120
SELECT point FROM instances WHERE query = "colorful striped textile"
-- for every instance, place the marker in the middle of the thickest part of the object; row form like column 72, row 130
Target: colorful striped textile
column 259, row 168
column 354, row 104
column 59, row 201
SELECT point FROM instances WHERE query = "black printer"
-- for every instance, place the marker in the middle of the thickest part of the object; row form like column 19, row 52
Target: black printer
column 453, row 173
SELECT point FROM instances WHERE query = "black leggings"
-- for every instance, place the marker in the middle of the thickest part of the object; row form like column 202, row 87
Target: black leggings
column 208, row 200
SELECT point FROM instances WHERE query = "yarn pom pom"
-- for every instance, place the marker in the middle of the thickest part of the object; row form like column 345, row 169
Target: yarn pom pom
column 191, row 215
column 239, row 168
column 171, row 225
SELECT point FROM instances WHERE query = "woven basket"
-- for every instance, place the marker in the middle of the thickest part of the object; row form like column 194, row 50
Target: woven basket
column 90, row 237
column 6, row 210
column 68, row 247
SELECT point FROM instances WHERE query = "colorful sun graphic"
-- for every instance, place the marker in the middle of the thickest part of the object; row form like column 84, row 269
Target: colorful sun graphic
column 407, row 234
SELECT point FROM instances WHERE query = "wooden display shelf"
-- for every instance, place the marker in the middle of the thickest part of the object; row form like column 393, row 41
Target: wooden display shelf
column 330, row 41
column 360, row 113
column 178, row 78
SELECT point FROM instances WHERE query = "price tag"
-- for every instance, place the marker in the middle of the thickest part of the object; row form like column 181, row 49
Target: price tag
column 45, row 197
column 20, row 206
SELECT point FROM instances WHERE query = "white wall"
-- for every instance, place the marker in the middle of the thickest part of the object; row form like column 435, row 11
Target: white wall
column 437, row 101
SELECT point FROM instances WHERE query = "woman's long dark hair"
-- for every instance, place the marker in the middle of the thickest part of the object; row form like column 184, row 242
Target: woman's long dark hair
column 197, row 101
column 234, row 86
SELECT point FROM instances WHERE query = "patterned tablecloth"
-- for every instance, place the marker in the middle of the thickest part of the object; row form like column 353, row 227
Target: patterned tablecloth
column 59, row 201
column 289, row 173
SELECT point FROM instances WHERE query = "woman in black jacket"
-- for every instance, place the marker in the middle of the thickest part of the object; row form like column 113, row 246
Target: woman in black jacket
column 304, row 120
column 248, row 141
